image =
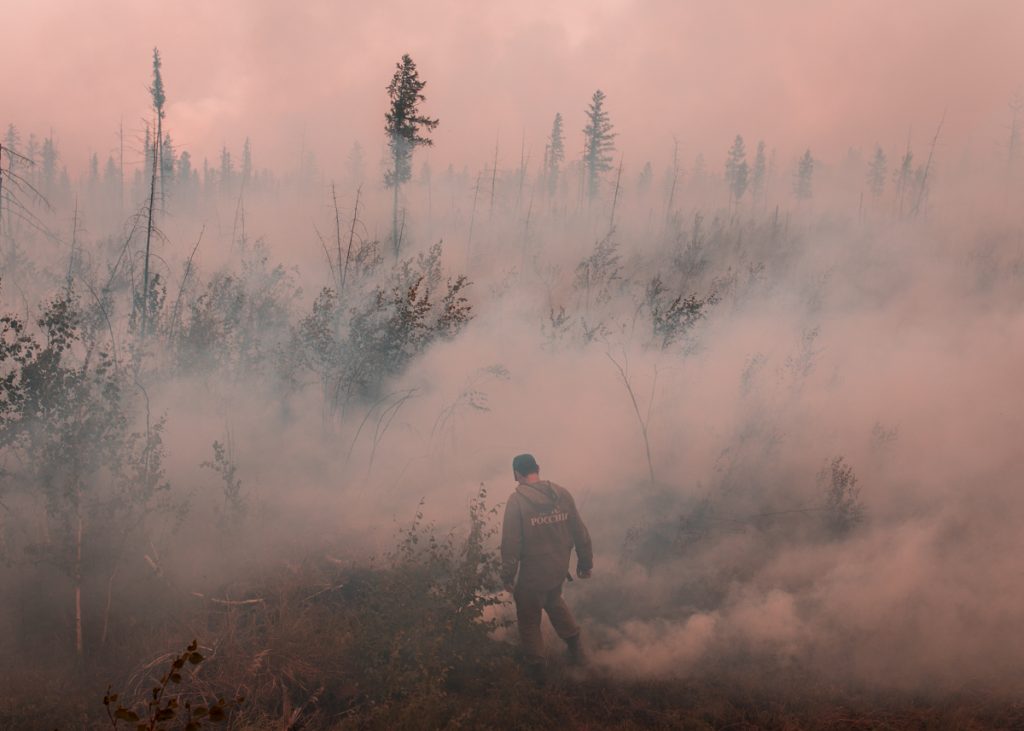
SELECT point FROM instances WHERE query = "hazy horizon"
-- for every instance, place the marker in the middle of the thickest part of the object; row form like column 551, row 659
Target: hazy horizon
column 313, row 74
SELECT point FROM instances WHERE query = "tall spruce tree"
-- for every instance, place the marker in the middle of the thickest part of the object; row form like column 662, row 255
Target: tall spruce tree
column 904, row 177
column 49, row 168
column 555, row 153
column 803, row 183
column 355, row 165
column 227, row 170
column 159, row 99
column 406, row 130
column 759, row 177
column 876, row 172
column 598, row 143
column 246, row 161
column 737, row 172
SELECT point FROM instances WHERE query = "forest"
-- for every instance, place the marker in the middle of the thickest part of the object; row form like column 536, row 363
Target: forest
column 256, row 426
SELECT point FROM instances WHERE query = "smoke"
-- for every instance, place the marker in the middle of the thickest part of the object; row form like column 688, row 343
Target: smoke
column 887, row 353
column 800, row 453
column 312, row 76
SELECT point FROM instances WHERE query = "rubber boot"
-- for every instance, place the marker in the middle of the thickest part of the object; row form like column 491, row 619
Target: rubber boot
column 577, row 656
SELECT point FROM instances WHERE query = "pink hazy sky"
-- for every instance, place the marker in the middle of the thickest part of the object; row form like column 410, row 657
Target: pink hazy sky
column 824, row 74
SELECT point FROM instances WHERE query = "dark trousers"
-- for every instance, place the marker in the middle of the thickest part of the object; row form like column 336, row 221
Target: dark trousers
column 529, row 603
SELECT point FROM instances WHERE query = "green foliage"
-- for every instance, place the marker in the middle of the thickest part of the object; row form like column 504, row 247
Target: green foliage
column 419, row 624
column 877, row 172
column 737, row 172
column 803, row 181
column 398, row 324
column 157, row 89
column 237, row 320
column 598, row 275
column 355, row 352
column 65, row 421
column 554, row 154
column 149, row 306
column 598, row 142
column 224, row 465
column 405, row 126
column 672, row 318
column 758, row 178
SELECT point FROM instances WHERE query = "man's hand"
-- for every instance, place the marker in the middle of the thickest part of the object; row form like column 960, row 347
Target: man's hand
column 583, row 574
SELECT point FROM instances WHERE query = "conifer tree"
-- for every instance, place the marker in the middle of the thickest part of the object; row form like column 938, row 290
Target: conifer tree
column 598, row 143
column 227, row 169
column 356, row 165
column 185, row 174
column 759, row 177
column 876, row 172
column 167, row 163
column 737, row 172
column 406, row 130
column 246, row 161
column 904, row 177
column 555, row 153
column 49, row 168
column 159, row 100
column 803, row 183
column 111, row 185
column 643, row 181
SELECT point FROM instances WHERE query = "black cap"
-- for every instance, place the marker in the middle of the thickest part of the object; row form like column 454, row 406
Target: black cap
column 525, row 464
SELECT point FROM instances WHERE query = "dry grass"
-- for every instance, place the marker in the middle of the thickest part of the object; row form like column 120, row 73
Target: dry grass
column 303, row 652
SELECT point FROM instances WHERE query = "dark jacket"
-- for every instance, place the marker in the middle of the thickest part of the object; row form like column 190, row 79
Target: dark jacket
column 540, row 529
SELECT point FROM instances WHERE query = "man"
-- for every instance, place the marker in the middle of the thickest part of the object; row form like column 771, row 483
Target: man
column 540, row 529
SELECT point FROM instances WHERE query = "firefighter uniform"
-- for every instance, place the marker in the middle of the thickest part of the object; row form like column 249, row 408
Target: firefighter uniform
column 540, row 529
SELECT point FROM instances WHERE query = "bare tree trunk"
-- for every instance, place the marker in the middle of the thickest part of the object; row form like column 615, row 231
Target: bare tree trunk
column 184, row 278
column 522, row 173
column 71, row 256
column 106, row 609
column 639, row 417
column 394, row 219
column 494, row 178
column 1, row 193
column 615, row 199
column 472, row 220
column 149, row 238
column 351, row 238
column 675, row 180
column 923, row 189
column 120, row 180
column 158, row 156
column 337, row 232
column 79, row 644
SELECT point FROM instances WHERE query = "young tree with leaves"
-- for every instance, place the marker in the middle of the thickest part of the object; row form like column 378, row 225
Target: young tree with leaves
column 406, row 130
column 598, row 143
